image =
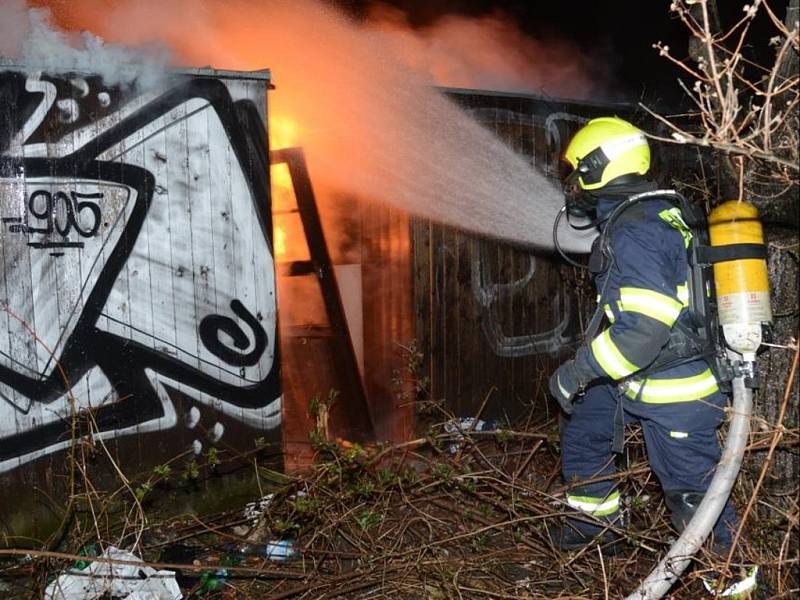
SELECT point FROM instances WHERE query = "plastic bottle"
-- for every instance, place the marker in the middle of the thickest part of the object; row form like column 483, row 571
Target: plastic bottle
column 211, row 581
column 275, row 550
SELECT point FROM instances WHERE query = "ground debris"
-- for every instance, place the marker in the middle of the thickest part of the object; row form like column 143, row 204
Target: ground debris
column 458, row 514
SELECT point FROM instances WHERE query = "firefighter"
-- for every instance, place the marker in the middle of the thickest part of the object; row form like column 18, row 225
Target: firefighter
column 641, row 282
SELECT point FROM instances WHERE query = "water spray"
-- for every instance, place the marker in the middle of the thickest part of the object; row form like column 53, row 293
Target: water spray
column 371, row 126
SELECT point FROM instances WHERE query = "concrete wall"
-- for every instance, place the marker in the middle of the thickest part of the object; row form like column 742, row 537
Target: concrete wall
column 137, row 286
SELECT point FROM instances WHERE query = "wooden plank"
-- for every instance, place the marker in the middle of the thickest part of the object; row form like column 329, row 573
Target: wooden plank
column 388, row 323
column 202, row 273
column 221, row 164
column 438, row 346
column 136, row 273
column 427, row 292
column 180, row 213
column 421, row 282
column 153, row 243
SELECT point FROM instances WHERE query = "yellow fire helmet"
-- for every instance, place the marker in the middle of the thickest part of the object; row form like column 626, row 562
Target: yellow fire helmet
column 604, row 149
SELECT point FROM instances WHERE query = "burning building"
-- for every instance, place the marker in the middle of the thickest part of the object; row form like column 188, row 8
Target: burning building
column 187, row 277
column 160, row 299
column 435, row 315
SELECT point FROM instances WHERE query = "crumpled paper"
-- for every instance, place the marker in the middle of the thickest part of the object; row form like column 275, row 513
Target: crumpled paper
column 131, row 582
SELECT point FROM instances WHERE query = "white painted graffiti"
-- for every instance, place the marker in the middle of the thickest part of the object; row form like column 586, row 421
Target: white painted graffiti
column 135, row 262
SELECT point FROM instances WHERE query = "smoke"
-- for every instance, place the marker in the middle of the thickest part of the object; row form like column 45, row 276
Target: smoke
column 490, row 52
column 29, row 39
column 14, row 27
column 370, row 122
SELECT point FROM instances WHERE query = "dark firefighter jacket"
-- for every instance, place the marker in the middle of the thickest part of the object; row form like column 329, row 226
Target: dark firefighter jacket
column 644, row 293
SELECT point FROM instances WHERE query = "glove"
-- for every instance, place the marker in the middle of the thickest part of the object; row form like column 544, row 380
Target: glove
column 566, row 382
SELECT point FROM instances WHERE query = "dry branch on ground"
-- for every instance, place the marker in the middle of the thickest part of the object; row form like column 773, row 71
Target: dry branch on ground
column 440, row 517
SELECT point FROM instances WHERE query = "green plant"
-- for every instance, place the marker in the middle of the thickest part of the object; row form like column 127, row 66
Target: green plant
column 503, row 437
column 162, row 470
column 190, row 471
column 444, row 472
column 385, row 477
column 479, row 542
column 142, row 490
column 517, row 535
column 319, row 443
column 314, row 405
column 469, row 485
column 351, row 454
column 212, row 457
column 364, row 486
column 303, row 504
column 284, row 526
column 409, row 478
column 368, row 519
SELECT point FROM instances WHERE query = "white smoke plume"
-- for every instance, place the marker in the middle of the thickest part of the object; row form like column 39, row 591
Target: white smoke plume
column 29, row 40
column 14, row 27
column 491, row 52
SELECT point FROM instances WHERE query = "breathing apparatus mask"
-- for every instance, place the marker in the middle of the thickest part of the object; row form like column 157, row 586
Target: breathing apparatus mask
column 580, row 210
column 578, row 200
column 578, row 203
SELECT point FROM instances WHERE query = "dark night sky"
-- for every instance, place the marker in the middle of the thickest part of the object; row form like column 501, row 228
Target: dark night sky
column 628, row 28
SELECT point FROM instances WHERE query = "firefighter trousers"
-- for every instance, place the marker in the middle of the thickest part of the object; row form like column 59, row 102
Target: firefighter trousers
column 681, row 443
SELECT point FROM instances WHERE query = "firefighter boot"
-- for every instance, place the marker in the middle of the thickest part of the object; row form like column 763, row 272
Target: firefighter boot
column 571, row 534
column 744, row 581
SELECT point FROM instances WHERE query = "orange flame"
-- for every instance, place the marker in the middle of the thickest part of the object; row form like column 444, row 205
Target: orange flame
column 284, row 131
column 285, row 217
column 279, row 242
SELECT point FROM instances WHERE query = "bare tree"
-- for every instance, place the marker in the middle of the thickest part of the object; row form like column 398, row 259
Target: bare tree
column 745, row 110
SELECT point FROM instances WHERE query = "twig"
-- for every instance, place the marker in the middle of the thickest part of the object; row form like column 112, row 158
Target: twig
column 603, row 569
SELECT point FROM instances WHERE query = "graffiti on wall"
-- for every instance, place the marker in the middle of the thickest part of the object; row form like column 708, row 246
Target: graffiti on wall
column 489, row 294
column 135, row 260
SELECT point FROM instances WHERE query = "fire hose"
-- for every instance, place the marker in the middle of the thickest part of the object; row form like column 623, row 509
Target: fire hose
column 661, row 578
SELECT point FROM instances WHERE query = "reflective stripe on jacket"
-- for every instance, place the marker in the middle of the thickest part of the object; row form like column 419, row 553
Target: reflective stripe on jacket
column 644, row 294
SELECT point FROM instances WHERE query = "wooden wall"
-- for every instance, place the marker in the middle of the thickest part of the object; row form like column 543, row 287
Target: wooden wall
column 493, row 320
column 488, row 319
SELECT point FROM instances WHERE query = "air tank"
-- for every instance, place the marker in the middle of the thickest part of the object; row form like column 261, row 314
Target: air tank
column 742, row 285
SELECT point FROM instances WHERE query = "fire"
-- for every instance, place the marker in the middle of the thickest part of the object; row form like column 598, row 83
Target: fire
column 284, row 205
column 283, row 131
column 283, row 193
column 279, row 242
column 360, row 105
